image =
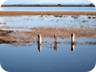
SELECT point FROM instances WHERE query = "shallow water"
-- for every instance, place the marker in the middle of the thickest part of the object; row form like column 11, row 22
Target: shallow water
column 49, row 20
column 83, row 9
column 26, row 56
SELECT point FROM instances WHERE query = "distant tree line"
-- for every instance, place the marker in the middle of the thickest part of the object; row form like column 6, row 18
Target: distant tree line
column 46, row 5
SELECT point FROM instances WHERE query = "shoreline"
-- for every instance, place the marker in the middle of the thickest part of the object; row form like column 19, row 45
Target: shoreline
column 15, row 13
column 48, row 5
column 25, row 37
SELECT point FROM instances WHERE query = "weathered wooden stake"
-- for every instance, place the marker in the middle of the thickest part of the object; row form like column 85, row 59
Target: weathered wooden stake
column 55, row 38
column 39, row 39
column 73, row 42
column 73, row 38
column 39, row 42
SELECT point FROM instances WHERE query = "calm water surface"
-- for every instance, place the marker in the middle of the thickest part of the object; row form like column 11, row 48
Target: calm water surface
column 84, row 9
column 49, row 20
column 27, row 58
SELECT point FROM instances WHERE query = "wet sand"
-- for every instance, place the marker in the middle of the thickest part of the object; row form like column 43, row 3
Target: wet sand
column 81, row 31
column 14, row 13
column 25, row 37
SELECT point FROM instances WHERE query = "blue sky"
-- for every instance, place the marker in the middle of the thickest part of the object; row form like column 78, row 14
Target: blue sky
column 47, row 1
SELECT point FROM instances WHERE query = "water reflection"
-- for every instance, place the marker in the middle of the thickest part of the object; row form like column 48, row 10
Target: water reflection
column 27, row 59
column 49, row 20
column 17, row 58
column 24, row 41
column 24, row 38
column 55, row 46
column 72, row 47
column 39, row 47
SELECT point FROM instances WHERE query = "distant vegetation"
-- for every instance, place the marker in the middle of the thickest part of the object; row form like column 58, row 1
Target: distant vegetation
column 47, row 5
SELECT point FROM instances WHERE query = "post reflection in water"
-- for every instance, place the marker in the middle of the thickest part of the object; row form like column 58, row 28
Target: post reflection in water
column 55, row 46
column 39, row 47
column 26, row 38
column 72, row 47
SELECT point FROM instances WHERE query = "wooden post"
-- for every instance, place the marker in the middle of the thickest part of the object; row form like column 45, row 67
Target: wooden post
column 73, row 42
column 39, row 39
column 55, row 38
column 73, row 38
column 39, row 42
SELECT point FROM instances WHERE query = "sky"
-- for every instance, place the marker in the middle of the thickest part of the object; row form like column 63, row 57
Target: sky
column 46, row 1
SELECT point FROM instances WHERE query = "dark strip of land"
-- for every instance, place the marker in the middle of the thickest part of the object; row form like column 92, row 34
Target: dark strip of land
column 46, row 5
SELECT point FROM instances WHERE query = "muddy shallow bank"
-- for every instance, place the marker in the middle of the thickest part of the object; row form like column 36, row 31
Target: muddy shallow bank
column 14, row 13
column 63, row 35
column 50, row 31
column 26, row 28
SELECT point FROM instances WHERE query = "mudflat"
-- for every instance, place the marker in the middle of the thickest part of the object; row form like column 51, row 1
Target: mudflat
column 12, row 13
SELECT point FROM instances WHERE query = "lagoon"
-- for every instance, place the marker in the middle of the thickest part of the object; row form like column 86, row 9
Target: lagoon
column 19, row 50
column 81, row 9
